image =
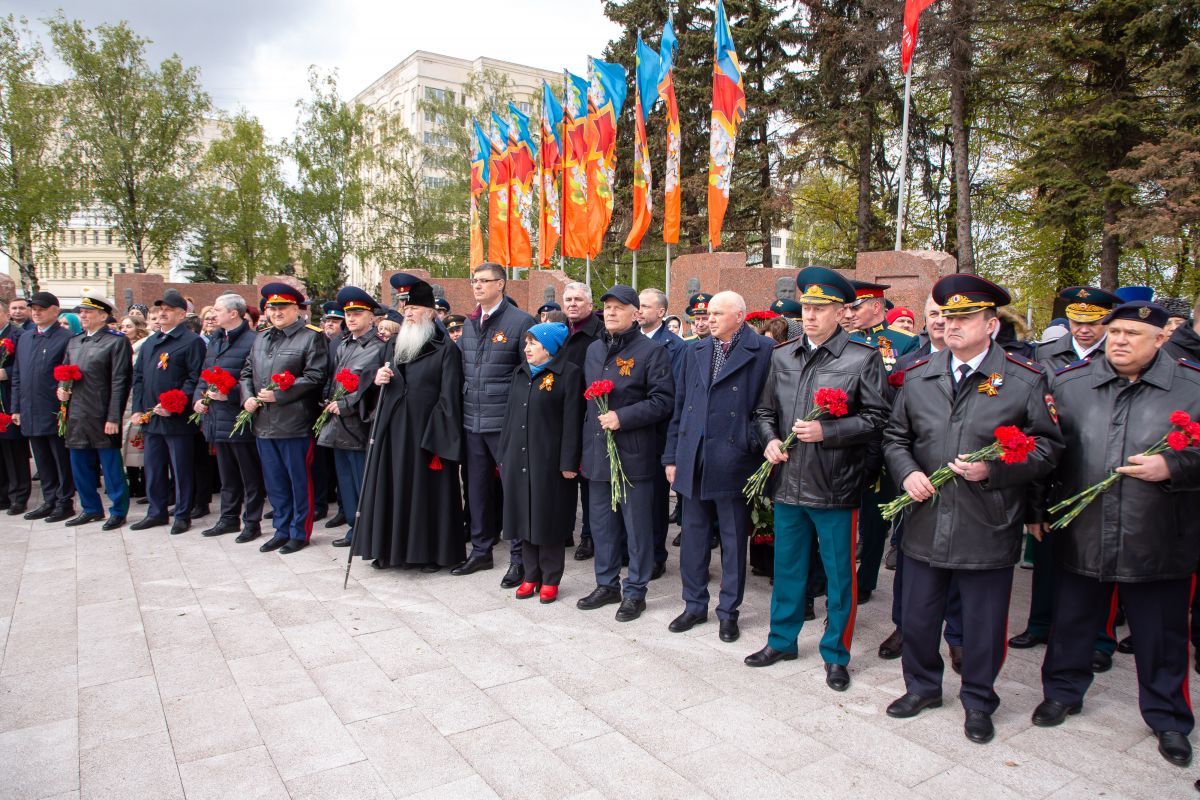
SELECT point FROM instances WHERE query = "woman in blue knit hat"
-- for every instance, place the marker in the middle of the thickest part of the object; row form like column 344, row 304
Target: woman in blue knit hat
column 540, row 451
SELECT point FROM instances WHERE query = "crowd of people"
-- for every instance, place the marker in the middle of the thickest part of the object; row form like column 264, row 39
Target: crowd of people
column 444, row 434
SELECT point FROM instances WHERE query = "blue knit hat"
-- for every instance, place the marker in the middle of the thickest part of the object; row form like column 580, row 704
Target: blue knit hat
column 550, row 335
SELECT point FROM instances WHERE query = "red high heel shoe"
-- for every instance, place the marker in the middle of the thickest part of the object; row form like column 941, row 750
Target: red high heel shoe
column 526, row 590
column 548, row 594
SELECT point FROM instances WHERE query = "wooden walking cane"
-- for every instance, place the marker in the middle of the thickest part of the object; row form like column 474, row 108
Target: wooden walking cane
column 367, row 467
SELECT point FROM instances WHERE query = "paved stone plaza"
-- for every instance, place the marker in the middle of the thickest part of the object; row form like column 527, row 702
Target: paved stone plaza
column 143, row 665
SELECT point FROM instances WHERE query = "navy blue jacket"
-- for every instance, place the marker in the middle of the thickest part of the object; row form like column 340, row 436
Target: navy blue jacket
column 676, row 347
column 229, row 351
column 642, row 399
column 11, row 332
column 491, row 351
column 153, row 374
column 34, row 390
column 712, row 439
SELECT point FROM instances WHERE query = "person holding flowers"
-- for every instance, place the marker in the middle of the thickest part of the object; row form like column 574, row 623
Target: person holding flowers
column 281, row 383
column 822, row 406
column 216, row 404
column 540, row 451
column 170, row 360
column 955, row 414
column 95, row 410
column 621, row 453
column 15, row 481
column 344, row 424
column 35, row 406
column 1124, row 510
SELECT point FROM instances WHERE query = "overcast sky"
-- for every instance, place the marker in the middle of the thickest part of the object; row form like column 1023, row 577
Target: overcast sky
column 254, row 54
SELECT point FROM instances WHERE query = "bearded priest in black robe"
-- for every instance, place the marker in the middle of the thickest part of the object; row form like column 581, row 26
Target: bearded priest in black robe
column 410, row 513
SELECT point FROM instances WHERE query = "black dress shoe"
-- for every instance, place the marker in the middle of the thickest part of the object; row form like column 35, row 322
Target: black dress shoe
column 249, row 533
column 1051, row 712
column 145, row 523
column 320, row 514
column 181, row 526
column 956, row 658
column 270, row 514
column 1174, row 747
column 810, row 610
column 585, row 550
column 113, row 522
column 143, row 500
column 729, row 630
column 1101, row 662
column 631, row 608
column 678, row 538
column 660, row 569
column 978, row 726
column 274, row 543
column 837, row 677
column 864, row 597
column 429, row 569
column 514, row 576
column 338, row 519
column 600, row 596
column 14, row 511
column 1025, row 640
column 893, row 646
column 84, row 519
column 378, row 564
column 686, row 621
column 61, row 513
column 342, row 542
column 199, row 511
column 222, row 527
column 768, row 656
column 473, row 564
column 1126, row 645
column 912, row 704
column 293, row 546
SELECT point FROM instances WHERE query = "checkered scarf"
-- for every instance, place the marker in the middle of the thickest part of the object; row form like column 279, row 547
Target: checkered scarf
column 720, row 353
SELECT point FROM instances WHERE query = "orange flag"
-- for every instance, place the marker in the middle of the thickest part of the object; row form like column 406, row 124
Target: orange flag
column 606, row 96
column 498, row 210
column 728, row 108
column 666, row 88
column 646, row 95
column 575, row 188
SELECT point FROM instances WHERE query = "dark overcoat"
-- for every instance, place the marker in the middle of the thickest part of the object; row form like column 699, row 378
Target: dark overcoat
column 34, row 389
column 167, row 361
column 227, row 350
column 106, row 360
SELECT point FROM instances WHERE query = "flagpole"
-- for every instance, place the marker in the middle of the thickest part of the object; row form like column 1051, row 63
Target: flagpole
column 635, row 270
column 562, row 188
column 667, row 278
column 587, row 265
column 903, row 158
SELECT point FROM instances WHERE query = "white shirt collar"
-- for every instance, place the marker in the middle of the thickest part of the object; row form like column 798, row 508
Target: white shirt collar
column 650, row 334
column 1085, row 353
column 934, row 348
column 490, row 311
column 974, row 363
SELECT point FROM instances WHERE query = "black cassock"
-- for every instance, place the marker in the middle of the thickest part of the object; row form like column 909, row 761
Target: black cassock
column 410, row 511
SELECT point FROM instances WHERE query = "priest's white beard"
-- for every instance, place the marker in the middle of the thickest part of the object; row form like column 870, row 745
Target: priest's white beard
column 412, row 337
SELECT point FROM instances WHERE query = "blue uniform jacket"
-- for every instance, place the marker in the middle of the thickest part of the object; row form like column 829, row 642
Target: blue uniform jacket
column 33, row 386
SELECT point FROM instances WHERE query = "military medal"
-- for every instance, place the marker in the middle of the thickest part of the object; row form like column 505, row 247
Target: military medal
column 991, row 386
column 625, row 365
column 547, row 382
column 886, row 351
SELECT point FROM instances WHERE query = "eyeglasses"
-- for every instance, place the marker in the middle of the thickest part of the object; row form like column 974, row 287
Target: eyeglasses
column 480, row 281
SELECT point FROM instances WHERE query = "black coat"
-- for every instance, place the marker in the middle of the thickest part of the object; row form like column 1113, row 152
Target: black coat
column 106, row 361
column 970, row 525
column 1184, row 343
column 363, row 356
column 165, row 362
column 712, row 439
column 410, row 512
column 302, row 350
column 1059, row 353
column 1136, row 531
column 581, row 338
column 490, row 352
column 831, row 473
column 229, row 351
column 11, row 332
column 642, row 399
column 34, row 390
column 540, row 440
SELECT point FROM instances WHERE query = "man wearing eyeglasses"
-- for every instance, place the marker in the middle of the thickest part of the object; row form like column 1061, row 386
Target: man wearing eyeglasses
column 492, row 341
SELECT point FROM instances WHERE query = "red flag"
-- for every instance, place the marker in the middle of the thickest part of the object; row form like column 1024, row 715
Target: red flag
column 908, row 41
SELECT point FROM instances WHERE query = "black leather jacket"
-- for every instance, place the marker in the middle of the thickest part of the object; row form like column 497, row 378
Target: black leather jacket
column 831, row 473
column 1136, row 531
column 1061, row 352
column 970, row 525
column 362, row 356
column 106, row 360
column 301, row 350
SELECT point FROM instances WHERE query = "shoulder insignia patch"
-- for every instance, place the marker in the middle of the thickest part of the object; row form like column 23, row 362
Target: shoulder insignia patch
column 1190, row 364
column 920, row 362
column 115, row 332
column 1032, row 366
column 862, row 344
column 1051, row 407
column 312, row 327
column 1083, row 362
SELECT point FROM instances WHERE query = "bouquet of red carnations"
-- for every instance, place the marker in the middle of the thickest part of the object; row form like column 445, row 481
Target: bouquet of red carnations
column 825, row 401
column 66, row 375
column 217, row 378
column 599, row 392
column 1011, row 446
column 1185, row 431
column 173, row 401
column 280, row 382
column 347, row 382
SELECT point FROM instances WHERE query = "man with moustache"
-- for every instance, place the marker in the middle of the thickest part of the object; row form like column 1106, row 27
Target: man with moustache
column 585, row 326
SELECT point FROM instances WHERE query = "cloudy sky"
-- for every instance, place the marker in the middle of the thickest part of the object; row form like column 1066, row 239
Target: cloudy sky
column 254, row 54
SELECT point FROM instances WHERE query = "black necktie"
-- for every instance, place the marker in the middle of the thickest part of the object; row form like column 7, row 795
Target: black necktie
column 963, row 370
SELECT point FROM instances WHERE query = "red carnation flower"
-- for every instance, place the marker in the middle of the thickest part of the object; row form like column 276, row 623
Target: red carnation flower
column 1180, row 419
column 67, row 372
column 5, row 421
column 283, row 380
column 1193, row 432
column 1014, row 444
column 8, row 346
column 1177, row 440
column 173, row 401
column 347, row 380
column 896, row 379
column 219, row 379
column 598, row 389
column 833, row 401
column 435, row 464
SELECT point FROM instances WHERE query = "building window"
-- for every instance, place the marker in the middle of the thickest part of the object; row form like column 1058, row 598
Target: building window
column 774, row 260
column 775, row 241
column 108, row 236
column 525, row 107
column 72, row 237
column 96, row 237
column 108, row 268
